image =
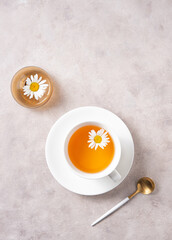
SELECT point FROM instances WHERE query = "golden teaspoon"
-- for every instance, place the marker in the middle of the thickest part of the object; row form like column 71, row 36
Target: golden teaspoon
column 145, row 185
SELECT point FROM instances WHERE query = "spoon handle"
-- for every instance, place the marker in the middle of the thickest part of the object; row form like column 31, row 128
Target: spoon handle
column 120, row 204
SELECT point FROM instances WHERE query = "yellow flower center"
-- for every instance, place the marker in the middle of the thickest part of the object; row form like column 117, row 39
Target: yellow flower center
column 97, row 139
column 34, row 86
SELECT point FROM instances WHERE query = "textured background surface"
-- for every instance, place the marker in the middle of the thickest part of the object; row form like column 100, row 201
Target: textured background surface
column 113, row 54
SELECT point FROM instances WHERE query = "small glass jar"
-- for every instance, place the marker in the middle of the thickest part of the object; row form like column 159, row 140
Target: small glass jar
column 27, row 93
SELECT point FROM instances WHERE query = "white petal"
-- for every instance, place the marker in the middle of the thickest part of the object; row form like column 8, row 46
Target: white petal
column 104, row 143
column 104, row 139
column 40, row 92
column 92, row 133
column 100, row 132
column 101, row 146
column 32, row 78
column 36, row 77
column 40, row 96
column 28, row 81
column 43, row 87
column 91, row 144
column 91, row 138
column 96, row 146
column 25, row 88
column 43, row 81
column 35, row 95
column 105, row 134
column 39, row 79
column 27, row 92
column 31, row 95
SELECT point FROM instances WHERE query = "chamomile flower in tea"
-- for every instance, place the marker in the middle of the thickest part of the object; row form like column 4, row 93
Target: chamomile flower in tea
column 99, row 139
column 35, row 87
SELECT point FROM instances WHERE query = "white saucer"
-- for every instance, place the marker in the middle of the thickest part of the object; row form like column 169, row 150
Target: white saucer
column 55, row 150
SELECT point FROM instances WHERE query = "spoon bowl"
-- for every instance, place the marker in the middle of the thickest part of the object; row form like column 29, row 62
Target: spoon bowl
column 145, row 185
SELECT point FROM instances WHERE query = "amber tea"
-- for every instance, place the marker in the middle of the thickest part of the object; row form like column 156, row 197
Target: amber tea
column 91, row 149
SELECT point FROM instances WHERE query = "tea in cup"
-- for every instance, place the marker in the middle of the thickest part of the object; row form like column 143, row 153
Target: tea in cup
column 92, row 151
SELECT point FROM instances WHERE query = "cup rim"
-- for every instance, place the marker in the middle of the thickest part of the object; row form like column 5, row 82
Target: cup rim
column 110, row 168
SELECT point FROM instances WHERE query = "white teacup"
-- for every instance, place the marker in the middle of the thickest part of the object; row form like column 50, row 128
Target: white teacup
column 111, row 168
